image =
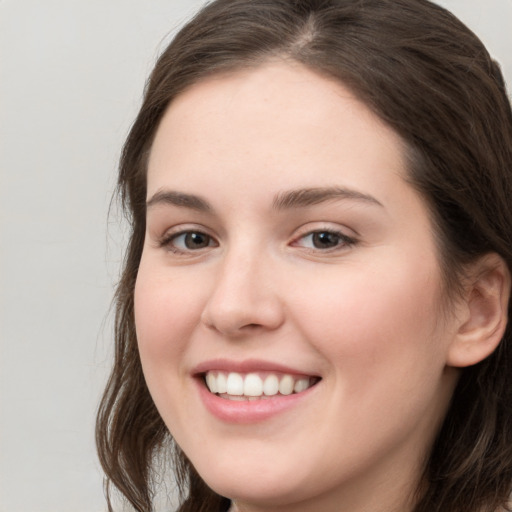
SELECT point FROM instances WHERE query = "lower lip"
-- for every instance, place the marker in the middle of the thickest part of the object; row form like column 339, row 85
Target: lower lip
column 249, row 411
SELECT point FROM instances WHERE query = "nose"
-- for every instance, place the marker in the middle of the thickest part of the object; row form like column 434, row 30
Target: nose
column 244, row 297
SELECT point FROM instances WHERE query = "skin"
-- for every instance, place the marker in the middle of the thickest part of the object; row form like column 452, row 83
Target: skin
column 363, row 315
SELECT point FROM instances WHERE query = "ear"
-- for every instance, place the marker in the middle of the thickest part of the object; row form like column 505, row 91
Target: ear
column 485, row 305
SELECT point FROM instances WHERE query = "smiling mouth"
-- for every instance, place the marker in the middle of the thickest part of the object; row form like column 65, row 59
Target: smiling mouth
column 256, row 386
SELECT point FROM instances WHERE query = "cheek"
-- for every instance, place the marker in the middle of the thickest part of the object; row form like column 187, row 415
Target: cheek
column 166, row 312
column 385, row 352
column 378, row 326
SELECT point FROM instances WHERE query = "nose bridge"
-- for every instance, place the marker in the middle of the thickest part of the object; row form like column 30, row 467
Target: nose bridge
column 244, row 295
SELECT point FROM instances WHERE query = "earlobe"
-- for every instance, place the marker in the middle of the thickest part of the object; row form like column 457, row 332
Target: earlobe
column 485, row 304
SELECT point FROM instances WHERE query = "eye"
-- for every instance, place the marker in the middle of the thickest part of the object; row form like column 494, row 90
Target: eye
column 324, row 239
column 186, row 241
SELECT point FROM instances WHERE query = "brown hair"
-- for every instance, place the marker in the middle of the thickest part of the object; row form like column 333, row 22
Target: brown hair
column 431, row 79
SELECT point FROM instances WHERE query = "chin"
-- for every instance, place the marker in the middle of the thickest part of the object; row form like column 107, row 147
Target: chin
column 259, row 482
column 257, row 492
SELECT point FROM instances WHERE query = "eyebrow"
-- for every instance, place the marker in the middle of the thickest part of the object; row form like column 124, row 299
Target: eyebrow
column 173, row 198
column 310, row 196
column 299, row 198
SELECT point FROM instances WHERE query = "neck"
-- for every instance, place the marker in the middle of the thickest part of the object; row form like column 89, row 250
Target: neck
column 389, row 492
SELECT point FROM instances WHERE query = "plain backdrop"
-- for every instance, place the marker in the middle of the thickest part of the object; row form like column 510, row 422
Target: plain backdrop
column 71, row 80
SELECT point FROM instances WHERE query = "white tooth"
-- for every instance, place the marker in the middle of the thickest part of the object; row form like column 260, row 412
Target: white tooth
column 253, row 385
column 271, row 385
column 235, row 384
column 211, row 382
column 286, row 385
column 236, row 398
column 221, row 383
column 301, row 385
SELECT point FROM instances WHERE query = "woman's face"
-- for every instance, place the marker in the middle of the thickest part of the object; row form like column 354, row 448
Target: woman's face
column 289, row 264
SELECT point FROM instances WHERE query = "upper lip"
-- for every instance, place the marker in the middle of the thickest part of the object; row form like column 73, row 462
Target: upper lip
column 246, row 366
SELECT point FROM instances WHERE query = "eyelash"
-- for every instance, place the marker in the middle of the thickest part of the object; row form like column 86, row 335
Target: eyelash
column 343, row 241
column 168, row 240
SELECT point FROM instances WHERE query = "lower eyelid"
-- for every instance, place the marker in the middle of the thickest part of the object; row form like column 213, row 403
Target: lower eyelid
column 166, row 241
column 344, row 240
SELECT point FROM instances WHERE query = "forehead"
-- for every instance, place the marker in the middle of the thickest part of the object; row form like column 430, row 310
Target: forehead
column 279, row 123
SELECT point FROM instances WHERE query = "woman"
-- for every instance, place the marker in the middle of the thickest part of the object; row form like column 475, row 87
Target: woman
column 315, row 297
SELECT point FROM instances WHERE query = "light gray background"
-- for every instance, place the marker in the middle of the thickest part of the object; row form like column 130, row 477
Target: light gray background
column 71, row 79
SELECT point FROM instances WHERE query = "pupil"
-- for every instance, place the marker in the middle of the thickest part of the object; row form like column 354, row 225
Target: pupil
column 196, row 240
column 325, row 239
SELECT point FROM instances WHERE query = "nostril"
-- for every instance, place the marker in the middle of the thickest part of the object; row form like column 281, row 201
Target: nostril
column 235, row 315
